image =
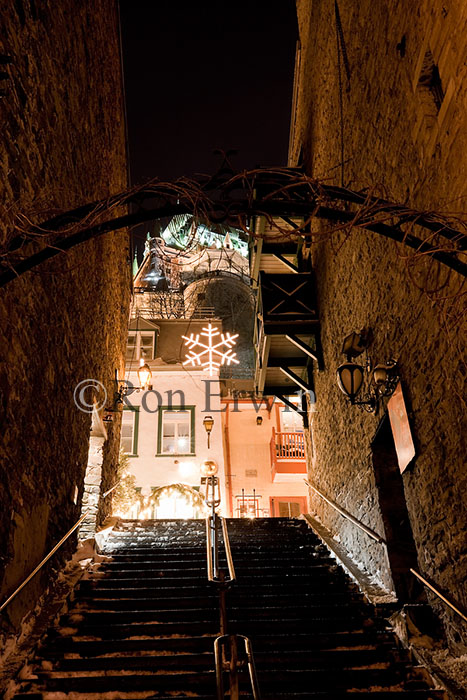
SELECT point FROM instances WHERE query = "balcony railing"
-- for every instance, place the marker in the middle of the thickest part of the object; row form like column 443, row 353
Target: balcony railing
column 288, row 446
column 287, row 456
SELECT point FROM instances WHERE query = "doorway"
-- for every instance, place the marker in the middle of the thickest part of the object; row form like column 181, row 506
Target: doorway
column 288, row 506
column 398, row 531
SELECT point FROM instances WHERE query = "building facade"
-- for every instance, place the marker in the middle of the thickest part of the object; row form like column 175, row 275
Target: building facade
column 264, row 453
column 184, row 288
column 259, row 446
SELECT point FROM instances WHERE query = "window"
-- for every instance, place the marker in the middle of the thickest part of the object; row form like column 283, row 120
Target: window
column 289, row 509
column 176, row 431
column 129, row 434
column 291, row 421
column 141, row 344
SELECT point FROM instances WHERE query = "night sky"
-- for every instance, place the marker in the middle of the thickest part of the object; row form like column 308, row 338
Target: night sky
column 207, row 75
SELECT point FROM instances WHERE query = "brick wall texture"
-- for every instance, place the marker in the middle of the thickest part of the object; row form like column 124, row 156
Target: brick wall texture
column 394, row 136
column 63, row 145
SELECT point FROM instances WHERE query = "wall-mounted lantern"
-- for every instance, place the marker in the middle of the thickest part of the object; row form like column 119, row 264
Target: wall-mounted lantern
column 144, row 375
column 259, row 420
column 382, row 377
column 208, row 423
column 121, row 389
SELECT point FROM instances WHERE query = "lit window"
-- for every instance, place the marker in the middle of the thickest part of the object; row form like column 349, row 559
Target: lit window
column 291, row 421
column 129, row 434
column 176, row 431
column 140, row 344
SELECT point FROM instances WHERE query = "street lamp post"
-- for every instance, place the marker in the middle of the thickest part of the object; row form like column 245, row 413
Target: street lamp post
column 210, row 480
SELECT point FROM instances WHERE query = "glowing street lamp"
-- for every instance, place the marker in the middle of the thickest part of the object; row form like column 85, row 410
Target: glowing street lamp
column 208, row 423
column 144, row 374
column 209, row 468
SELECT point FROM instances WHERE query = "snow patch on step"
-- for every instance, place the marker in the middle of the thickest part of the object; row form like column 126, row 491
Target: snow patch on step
column 112, row 695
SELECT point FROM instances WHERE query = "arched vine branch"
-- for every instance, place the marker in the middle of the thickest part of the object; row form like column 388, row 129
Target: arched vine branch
column 235, row 199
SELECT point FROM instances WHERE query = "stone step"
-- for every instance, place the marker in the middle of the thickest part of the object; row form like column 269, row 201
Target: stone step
column 296, row 660
column 307, row 642
column 58, row 647
column 271, row 573
column 373, row 694
column 241, row 559
column 198, row 544
column 161, row 662
column 122, row 682
column 270, row 680
column 130, row 613
column 305, row 568
column 147, row 598
column 209, row 625
column 315, row 584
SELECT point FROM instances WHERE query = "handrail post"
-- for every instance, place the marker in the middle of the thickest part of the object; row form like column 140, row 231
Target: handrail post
column 219, row 668
column 233, row 668
column 214, row 545
column 208, row 549
column 228, row 551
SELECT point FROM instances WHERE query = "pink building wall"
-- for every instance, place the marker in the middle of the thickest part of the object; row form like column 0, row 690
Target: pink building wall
column 247, row 459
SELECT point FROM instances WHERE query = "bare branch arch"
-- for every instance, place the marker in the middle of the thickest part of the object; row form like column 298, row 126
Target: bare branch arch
column 234, row 199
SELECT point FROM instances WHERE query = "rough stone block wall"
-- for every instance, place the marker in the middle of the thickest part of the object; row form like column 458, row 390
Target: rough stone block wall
column 416, row 154
column 63, row 145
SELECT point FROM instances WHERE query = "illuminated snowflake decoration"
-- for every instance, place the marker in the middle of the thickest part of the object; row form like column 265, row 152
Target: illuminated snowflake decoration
column 213, row 353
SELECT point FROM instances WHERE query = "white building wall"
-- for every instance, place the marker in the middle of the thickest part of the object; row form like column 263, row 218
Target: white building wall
column 151, row 469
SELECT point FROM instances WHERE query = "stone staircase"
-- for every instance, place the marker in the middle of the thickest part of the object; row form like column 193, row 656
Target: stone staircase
column 144, row 622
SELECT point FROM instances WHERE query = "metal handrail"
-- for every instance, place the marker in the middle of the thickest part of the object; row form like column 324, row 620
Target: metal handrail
column 440, row 595
column 52, row 552
column 212, row 557
column 379, row 539
column 209, row 551
column 228, row 551
column 217, row 576
column 104, row 495
column 232, row 665
column 345, row 514
column 44, row 561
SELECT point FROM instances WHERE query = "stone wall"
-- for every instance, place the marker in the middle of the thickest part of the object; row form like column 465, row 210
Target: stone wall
column 397, row 138
column 63, row 144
